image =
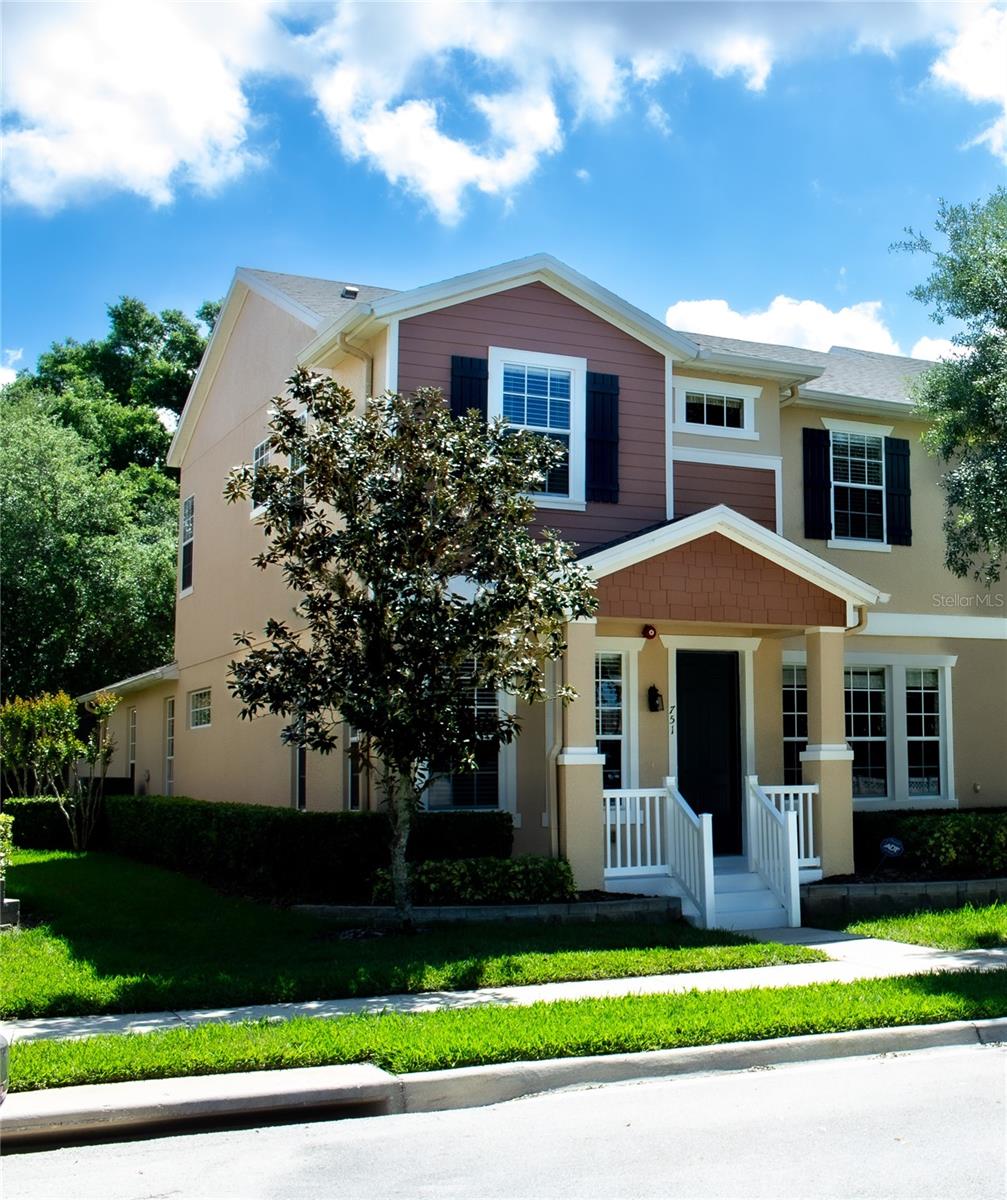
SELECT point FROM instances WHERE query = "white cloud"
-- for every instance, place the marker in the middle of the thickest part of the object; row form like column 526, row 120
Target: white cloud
column 789, row 322
column 147, row 97
column 583, row 174
column 935, row 348
column 657, row 117
column 975, row 64
column 134, row 97
column 8, row 372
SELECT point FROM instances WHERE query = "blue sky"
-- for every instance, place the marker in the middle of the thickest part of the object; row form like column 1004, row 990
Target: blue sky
column 744, row 165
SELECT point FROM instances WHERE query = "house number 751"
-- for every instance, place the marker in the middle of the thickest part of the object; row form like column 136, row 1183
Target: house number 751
column 671, row 717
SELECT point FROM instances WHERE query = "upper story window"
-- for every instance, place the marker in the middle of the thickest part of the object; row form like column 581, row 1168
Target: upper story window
column 260, row 460
column 711, row 406
column 858, row 486
column 544, row 394
column 187, row 539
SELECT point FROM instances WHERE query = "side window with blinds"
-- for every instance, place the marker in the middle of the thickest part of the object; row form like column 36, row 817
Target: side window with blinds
column 187, row 540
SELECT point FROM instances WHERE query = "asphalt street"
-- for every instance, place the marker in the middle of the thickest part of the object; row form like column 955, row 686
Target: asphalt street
column 928, row 1124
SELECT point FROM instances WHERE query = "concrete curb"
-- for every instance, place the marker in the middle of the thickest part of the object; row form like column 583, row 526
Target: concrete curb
column 111, row 1109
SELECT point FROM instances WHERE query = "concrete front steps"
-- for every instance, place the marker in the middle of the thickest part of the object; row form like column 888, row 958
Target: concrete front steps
column 742, row 900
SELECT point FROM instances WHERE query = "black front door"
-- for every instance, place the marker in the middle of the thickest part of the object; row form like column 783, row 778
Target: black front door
column 709, row 742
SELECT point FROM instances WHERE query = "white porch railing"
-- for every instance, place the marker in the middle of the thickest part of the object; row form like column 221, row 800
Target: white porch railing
column 799, row 798
column 635, row 841
column 772, row 848
column 690, row 853
column 653, row 831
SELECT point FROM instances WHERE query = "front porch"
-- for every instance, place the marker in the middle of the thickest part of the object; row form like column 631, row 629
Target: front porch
column 672, row 778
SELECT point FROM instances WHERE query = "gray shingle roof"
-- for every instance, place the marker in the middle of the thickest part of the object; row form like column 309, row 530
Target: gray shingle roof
column 322, row 296
column 847, row 371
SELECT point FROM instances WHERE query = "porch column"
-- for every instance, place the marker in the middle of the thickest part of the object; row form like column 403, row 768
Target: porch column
column 827, row 760
column 581, row 828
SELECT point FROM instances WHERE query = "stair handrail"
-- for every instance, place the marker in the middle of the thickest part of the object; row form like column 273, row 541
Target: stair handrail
column 772, row 849
column 690, row 852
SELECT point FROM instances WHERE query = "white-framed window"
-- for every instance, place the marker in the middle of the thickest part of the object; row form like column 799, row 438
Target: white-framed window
column 795, row 721
column 858, row 486
column 187, row 541
column 715, row 407
column 356, row 782
column 610, row 717
column 131, row 743
column 169, row 746
column 260, row 460
column 199, row 709
column 545, row 394
column 299, row 777
column 898, row 725
column 867, row 729
column 923, row 731
column 473, row 789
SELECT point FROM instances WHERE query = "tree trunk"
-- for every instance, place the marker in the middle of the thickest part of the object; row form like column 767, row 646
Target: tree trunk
column 404, row 800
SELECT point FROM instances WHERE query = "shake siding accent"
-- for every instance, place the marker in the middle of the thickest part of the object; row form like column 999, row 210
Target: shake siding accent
column 714, row 579
column 748, row 490
column 534, row 317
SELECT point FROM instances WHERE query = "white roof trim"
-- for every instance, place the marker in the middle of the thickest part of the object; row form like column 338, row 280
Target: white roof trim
column 135, row 683
column 243, row 282
column 536, row 268
column 810, row 398
column 745, row 532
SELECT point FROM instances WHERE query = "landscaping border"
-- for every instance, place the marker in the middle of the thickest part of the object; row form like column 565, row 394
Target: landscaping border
column 832, row 900
column 642, row 908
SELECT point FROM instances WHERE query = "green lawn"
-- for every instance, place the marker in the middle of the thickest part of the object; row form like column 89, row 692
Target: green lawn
column 952, row 929
column 491, row 1034
column 119, row 936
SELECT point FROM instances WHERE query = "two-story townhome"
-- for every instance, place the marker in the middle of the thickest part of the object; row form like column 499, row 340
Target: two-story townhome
column 777, row 642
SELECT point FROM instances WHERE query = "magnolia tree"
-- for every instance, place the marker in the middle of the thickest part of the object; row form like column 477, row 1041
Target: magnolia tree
column 965, row 396
column 405, row 533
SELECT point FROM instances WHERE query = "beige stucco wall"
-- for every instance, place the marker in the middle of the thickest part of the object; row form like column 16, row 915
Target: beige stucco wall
column 915, row 576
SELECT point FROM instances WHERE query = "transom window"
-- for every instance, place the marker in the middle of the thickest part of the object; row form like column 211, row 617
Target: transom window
column 923, row 731
column 538, row 399
column 858, row 486
column 867, row 729
column 795, row 721
column 708, row 408
column 199, row 709
column 610, row 717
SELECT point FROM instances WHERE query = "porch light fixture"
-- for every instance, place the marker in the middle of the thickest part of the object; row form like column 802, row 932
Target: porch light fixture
column 649, row 632
column 655, row 701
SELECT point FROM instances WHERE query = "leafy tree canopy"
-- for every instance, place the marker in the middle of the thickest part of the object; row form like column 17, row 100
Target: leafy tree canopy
column 147, row 358
column 406, row 535
column 965, row 397
column 87, row 558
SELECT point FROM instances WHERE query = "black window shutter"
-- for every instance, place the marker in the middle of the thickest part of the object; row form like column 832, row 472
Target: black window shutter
column 897, row 491
column 602, row 428
column 469, row 384
column 817, row 484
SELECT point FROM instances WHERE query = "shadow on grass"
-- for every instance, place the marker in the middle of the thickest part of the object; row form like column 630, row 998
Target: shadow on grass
column 147, row 939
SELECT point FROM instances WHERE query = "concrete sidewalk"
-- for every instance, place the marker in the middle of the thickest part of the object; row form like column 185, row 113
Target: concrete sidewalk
column 851, row 957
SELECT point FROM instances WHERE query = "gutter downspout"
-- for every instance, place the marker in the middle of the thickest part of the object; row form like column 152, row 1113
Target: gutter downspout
column 861, row 621
column 343, row 343
column 553, row 748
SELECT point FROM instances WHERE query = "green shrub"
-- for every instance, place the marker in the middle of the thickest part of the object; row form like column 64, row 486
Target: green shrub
column 280, row 854
column 39, row 823
column 530, row 879
column 6, row 843
column 939, row 844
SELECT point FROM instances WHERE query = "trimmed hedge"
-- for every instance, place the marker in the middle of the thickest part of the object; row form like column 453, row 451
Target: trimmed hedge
column 280, row 854
column 530, row 879
column 38, row 823
column 939, row 844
